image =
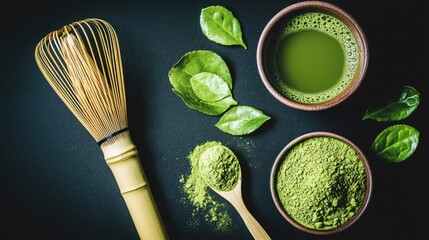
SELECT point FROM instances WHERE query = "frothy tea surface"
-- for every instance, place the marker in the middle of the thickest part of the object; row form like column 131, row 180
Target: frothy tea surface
column 315, row 58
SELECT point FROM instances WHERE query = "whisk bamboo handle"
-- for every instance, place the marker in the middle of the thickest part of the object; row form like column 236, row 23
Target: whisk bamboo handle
column 122, row 158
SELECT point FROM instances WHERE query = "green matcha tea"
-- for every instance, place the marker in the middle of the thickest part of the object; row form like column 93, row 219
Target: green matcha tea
column 316, row 58
column 310, row 61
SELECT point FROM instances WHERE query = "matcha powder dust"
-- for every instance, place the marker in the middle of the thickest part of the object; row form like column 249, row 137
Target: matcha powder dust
column 197, row 192
column 321, row 183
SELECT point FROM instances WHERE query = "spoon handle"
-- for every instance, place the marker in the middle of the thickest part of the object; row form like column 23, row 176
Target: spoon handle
column 251, row 223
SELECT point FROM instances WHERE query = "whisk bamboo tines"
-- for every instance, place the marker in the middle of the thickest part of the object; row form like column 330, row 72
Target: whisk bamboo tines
column 82, row 63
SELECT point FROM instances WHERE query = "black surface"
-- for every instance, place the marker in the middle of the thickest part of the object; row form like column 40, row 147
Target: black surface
column 56, row 185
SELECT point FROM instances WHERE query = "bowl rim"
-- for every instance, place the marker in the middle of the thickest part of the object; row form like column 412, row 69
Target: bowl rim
column 338, row 13
column 279, row 160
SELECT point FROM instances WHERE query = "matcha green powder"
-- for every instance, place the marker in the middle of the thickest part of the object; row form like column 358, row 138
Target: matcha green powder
column 321, row 183
column 199, row 194
column 220, row 168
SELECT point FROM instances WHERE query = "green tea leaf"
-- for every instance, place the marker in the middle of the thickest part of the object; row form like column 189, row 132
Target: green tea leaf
column 193, row 63
column 242, row 120
column 209, row 108
column 398, row 110
column 396, row 143
column 209, row 87
column 219, row 25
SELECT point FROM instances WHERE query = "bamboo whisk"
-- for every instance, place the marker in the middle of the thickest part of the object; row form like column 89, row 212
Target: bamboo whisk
column 82, row 63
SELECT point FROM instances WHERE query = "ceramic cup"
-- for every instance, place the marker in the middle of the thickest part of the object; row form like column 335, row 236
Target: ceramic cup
column 278, row 162
column 269, row 39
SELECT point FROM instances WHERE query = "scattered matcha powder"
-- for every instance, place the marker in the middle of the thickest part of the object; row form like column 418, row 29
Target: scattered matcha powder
column 220, row 168
column 321, row 183
column 197, row 192
column 247, row 145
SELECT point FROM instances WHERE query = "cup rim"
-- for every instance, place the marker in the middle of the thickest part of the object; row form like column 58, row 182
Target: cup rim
column 279, row 206
column 338, row 13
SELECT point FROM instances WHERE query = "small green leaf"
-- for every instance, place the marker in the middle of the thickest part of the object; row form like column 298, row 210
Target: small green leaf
column 193, row 63
column 209, row 87
column 219, row 25
column 398, row 110
column 241, row 120
column 396, row 143
column 209, row 108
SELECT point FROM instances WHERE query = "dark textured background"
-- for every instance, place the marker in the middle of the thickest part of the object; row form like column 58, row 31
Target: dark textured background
column 56, row 185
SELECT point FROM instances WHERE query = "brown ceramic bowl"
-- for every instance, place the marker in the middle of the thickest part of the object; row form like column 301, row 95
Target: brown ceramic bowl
column 279, row 161
column 271, row 33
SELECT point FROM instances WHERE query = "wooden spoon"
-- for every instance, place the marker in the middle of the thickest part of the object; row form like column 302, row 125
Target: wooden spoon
column 234, row 196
